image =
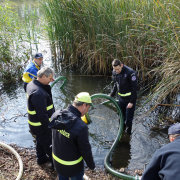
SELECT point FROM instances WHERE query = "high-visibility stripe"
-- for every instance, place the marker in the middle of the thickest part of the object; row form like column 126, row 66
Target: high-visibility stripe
column 34, row 112
column 31, row 112
column 67, row 162
column 50, row 107
column 127, row 94
column 34, row 123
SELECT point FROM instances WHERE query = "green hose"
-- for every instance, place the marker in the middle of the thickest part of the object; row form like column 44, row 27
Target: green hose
column 121, row 126
column 57, row 79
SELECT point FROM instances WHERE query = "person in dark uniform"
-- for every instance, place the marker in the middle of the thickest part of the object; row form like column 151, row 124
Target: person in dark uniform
column 70, row 141
column 32, row 69
column 40, row 109
column 125, row 83
column 165, row 162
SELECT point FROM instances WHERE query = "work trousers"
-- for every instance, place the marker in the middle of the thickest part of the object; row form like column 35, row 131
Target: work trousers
column 128, row 113
column 43, row 147
column 78, row 176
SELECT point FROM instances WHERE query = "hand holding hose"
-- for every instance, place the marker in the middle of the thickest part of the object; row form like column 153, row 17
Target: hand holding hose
column 130, row 105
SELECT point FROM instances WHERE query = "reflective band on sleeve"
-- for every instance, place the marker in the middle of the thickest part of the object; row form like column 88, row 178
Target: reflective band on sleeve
column 50, row 107
column 31, row 112
column 49, row 119
column 34, row 112
column 34, row 123
column 127, row 94
column 67, row 162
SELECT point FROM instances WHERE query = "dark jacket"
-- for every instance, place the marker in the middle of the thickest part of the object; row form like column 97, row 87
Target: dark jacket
column 125, row 82
column 70, row 142
column 40, row 107
column 165, row 163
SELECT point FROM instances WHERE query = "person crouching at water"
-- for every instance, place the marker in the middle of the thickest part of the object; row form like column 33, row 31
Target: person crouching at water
column 70, row 142
column 165, row 162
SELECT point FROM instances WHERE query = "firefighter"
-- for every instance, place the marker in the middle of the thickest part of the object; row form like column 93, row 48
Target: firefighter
column 70, row 142
column 40, row 109
column 32, row 69
column 165, row 161
column 125, row 83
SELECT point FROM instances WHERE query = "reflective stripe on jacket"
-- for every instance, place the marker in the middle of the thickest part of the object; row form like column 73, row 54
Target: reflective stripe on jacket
column 125, row 83
column 40, row 107
column 70, row 142
column 30, row 72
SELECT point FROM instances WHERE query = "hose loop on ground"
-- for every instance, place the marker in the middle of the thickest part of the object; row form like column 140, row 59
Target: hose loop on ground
column 121, row 126
column 18, row 158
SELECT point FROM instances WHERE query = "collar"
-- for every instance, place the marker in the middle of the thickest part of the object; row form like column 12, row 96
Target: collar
column 74, row 110
column 46, row 87
column 38, row 67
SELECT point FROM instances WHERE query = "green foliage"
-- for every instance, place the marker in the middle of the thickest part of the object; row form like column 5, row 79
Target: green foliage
column 19, row 36
column 11, row 52
column 144, row 34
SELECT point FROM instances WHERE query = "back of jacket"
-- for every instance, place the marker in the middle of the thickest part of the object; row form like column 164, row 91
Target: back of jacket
column 165, row 163
column 40, row 107
column 70, row 143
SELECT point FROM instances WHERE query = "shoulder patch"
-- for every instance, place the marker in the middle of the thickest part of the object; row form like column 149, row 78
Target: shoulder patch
column 133, row 78
column 133, row 74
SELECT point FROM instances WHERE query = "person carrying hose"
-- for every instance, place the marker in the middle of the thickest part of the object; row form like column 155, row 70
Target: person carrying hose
column 40, row 109
column 32, row 69
column 125, row 83
column 70, row 141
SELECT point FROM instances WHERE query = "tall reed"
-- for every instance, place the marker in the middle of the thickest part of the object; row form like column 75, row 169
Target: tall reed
column 89, row 34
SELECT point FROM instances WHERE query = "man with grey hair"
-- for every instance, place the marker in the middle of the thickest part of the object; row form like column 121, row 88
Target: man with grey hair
column 70, row 141
column 165, row 162
column 40, row 109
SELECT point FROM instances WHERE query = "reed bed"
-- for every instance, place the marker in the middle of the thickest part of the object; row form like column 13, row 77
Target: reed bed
column 143, row 34
column 17, row 35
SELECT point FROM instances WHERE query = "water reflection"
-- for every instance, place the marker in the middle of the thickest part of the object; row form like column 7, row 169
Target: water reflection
column 121, row 155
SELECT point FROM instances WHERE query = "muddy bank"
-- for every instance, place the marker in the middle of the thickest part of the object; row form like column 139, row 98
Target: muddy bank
column 9, row 167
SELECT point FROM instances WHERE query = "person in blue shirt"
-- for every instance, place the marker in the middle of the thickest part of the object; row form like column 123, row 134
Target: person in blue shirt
column 165, row 162
column 32, row 69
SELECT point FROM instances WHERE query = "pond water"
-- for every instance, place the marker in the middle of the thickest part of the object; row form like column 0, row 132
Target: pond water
column 133, row 152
